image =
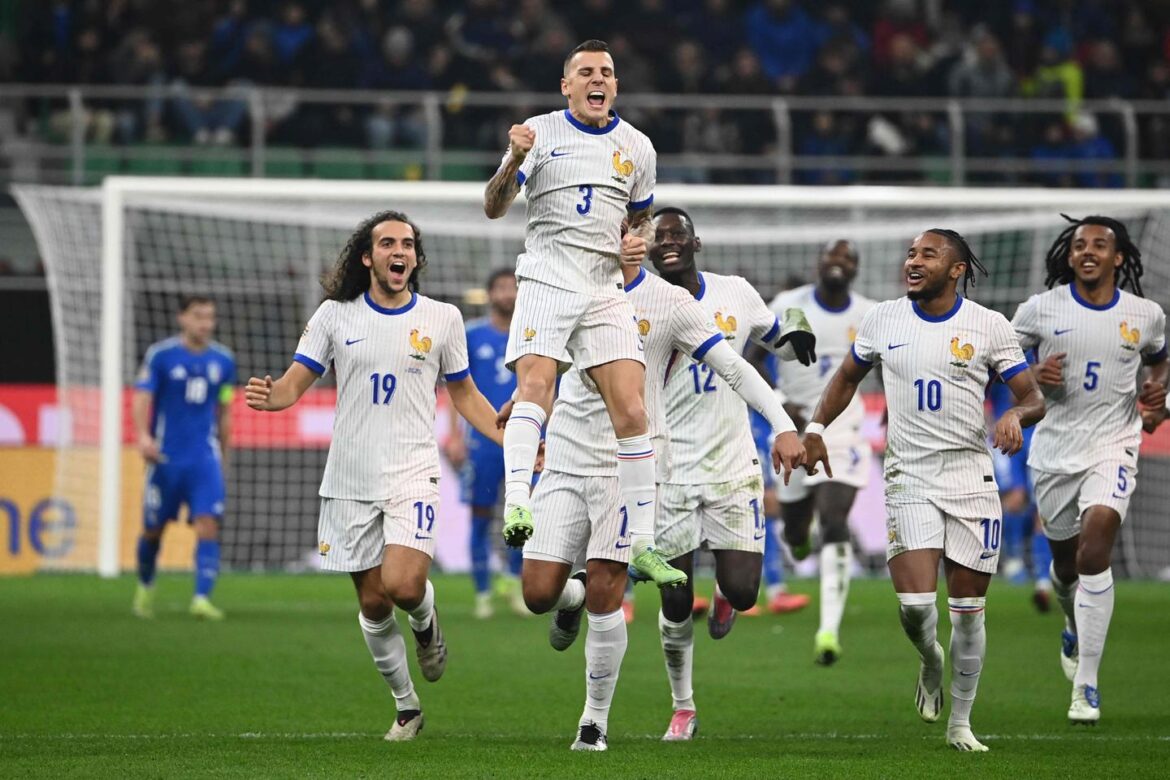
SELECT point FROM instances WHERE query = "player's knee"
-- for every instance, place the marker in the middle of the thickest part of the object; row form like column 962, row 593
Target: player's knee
column 374, row 604
column 677, row 603
column 1065, row 570
column 407, row 593
column 537, row 387
column 742, row 590
column 539, row 594
column 796, row 533
column 629, row 418
column 834, row 531
column 604, row 589
column 1092, row 558
column 206, row 528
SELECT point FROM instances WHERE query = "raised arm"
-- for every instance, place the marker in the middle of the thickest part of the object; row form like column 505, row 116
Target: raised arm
column 477, row 410
column 267, row 395
column 504, row 186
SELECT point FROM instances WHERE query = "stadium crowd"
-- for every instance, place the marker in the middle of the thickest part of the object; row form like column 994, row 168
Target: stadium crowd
column 1072, row 50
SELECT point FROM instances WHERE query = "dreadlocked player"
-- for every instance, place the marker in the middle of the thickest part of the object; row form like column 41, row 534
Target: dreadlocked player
column 1089, row 335
column 937, row 349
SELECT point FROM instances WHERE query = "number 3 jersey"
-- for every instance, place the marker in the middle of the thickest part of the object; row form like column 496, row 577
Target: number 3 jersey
column 935, row 371
column 1094, row 412
column 387, row 363
column 579, row 181
column 188, row 388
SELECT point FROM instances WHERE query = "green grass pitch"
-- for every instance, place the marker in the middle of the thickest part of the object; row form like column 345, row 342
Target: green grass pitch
column 285, row 688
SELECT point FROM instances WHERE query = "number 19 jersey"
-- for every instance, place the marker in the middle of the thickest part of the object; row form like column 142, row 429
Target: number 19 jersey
column 935, row 371
column 387, row 363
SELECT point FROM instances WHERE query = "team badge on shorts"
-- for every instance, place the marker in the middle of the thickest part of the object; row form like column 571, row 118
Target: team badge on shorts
column 529, row 334
column 323, row 548
column 644, row 327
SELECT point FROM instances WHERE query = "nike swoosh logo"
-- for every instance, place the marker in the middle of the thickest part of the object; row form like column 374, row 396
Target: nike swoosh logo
column 895, row 346
column 1059, row 332
column 349, row 342
column 968, row 674
column 985, row 556
column 645, row 503
column 1086, row 606
column 555, row 153
column 421, row 536
column 517, row 471
column 758, row 538
column 620, row 546
column 597, row 677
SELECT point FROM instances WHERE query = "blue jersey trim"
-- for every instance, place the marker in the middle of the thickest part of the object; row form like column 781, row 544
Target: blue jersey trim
column 773, row 331
column 637, row 280
column 584, row 128
column 858, row 358
column 458, row 375
column 638, row 205
column 940, row 318
column 820, row 302
column 702, row 287
column 705, row 347
column 1072, row 288
column 403, row 309
column 309, row 363
column 520, row 177
column 1156, row 358
column 1006, row 375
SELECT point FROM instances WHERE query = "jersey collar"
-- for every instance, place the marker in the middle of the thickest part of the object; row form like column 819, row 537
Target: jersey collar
column 942, row 317
column 584, row 128
column 702, row 287
column 637, row 280
column 1072, row 288
column 827, row 307
column 403, row 309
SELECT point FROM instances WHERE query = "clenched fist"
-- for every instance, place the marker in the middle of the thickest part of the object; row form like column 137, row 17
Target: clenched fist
column 520, row 141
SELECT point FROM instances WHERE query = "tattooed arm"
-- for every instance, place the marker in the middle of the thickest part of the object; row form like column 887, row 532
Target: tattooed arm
column 504, row 186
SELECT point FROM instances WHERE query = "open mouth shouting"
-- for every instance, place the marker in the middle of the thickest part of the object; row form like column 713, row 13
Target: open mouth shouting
column 397, row 273
column 596, row 99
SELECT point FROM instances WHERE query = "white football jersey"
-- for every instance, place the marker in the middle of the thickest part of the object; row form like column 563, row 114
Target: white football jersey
column 387, row 363
column 1094, row 413
column 579, row 181
column 935, row 371
column 710, row 434
column 580, row 438
column 835, row 330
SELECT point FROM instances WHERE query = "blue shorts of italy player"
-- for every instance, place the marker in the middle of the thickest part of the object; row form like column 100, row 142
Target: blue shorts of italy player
column 483, row 472
column 198, row 484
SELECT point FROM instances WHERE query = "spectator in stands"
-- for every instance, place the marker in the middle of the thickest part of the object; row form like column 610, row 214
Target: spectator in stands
column 899, row 18
column 543, row 64
column 689, row 74
column 1090, row 145
column 983, row 72
column 826, row 139
column 1052, row 155
column 1105, row 76
column 905, row 72
column 1058, row 74
column 204, row 119
column 137, row 60
column 291, row 34
column 836, row 71
column 718, row 28
column 840, row 27
column 785, row 38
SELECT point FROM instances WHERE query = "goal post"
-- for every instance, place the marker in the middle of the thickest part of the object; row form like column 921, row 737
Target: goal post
column 258, row 247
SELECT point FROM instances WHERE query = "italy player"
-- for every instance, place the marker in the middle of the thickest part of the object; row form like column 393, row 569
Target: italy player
column 479, row 459
column 1092, row 340
column 579, row 498
column 182, row 416
column 834, row 312
column 585, row 171
column 937, row 350
column 715, row 492
column 388, row 347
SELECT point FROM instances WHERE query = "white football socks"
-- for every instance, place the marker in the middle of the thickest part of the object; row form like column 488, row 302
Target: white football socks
column 1094, row 609
column 572, row 595
column 388, row 648
column 836, row 566
column 420, row 616
column 678, row 647
column 521, row 443
column 1065, row 591
column 636, row 473
column 968, row 647
column 920, row 622
column 605, row 646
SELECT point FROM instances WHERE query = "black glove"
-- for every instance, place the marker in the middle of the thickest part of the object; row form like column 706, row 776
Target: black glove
column 804, row 345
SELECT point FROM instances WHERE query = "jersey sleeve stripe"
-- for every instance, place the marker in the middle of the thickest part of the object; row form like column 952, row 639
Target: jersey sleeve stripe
column 771, row 334
column 1155, row 358
column 458, row 375
column 1006, row 375
column 520, row 177
column 705, row 347
column 309, row 363
column 858, row 358
column 641, row 204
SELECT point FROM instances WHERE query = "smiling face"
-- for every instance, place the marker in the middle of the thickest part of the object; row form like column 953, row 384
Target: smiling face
column 931, row 267
column 590, row 85
column 837, row 266
column 1093, row 255
column 675, row 244
column 392, row 257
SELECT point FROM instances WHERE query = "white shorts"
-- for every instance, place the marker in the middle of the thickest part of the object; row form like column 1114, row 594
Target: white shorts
column 574, row 514
column 972, row 541
column 572, row 328
column 1063, row 498
column 725, row 515
column 850, row 456
column 353, row 534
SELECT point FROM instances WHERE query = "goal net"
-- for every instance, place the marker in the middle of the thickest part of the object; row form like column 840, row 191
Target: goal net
column 119, row 257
